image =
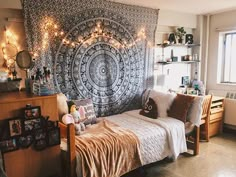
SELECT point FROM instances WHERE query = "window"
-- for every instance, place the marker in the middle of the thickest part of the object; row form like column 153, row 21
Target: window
column 227, row 53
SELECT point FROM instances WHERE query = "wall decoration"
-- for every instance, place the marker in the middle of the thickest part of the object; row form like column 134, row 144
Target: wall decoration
column 104, row 54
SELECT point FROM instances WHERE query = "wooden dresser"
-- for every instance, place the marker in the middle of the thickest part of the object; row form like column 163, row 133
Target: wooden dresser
column 29, row 162
column 216, row 115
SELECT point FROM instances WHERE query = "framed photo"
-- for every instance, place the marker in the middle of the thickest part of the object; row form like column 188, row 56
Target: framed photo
column 40, row 134
column 32, row 112
column 40, row 144
column 32, row 124
column 40, row 139
column 8, row 145
column 15, row 127
column 54, row 137
column 25, row 141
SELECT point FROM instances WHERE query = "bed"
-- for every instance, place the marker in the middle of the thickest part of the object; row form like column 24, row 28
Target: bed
column 158, row 138
column 144, row 140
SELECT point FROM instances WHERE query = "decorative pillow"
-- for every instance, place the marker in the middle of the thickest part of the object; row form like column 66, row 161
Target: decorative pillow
column 149, row 109
column 163, row 101
column 180, row 106
column 86, row 106
column 195, row 111
column 62, row 105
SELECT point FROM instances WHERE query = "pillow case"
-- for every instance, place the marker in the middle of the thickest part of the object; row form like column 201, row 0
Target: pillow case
column 163, row 101
column 150, row 109
column 180, row 106
column 86, row 106
column 195, row 111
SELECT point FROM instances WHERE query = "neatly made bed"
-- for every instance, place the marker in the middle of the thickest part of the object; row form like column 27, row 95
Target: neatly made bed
column 158, row 138
column 120, row 143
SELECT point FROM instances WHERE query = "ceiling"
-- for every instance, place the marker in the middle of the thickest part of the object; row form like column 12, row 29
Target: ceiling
column 185, row 6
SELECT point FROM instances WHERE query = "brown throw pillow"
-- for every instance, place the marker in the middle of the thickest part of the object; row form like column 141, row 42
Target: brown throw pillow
column 180, row 106
column 150, row 109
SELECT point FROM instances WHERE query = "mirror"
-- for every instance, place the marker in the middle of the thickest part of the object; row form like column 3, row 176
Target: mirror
column 24, row 60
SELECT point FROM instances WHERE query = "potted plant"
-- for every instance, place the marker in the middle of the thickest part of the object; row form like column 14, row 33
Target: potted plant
column 180, row 32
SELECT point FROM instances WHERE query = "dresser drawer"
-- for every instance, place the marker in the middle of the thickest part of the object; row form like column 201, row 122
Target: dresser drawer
column 216, row 116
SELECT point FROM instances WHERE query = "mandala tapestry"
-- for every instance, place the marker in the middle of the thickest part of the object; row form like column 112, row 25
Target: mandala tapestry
column 106, row 61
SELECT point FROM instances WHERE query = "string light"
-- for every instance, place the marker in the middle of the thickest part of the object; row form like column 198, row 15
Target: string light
column 97, row 32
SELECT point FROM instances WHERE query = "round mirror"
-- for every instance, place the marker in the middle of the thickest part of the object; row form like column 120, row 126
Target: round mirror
column 24, row 60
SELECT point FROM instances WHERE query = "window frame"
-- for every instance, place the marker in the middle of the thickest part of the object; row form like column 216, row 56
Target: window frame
column 223, row 54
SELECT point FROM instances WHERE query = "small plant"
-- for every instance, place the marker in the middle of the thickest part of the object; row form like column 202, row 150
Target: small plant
column 180, row 32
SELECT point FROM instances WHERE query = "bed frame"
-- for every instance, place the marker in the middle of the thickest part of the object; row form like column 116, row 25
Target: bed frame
column 69, row 159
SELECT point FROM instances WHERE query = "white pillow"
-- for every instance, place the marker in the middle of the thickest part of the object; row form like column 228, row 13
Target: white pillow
column 195, row 111
column 163, row 101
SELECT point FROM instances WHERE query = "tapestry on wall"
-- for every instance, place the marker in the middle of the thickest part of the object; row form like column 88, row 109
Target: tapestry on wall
column 99, row 49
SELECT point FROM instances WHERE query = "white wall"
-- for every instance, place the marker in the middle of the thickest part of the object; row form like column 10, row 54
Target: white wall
column 168, row 21
column 221, row 20
column 172, row 18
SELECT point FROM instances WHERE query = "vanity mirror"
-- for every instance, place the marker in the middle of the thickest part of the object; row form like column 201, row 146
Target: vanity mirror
column 24, row 61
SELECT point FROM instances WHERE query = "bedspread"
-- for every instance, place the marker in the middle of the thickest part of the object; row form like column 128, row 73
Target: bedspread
column 158, row 138
column 106, row 149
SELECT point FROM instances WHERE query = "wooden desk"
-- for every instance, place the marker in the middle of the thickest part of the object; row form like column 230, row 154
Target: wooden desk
column 28, row 162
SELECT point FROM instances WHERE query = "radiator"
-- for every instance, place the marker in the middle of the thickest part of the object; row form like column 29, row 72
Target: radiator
column 230, row 105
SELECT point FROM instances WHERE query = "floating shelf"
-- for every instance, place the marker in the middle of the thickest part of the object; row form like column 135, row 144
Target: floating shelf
column 178, row 62
column 178, row 45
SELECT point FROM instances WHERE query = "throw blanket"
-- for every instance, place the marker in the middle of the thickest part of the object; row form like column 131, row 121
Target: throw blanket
column 107, row 150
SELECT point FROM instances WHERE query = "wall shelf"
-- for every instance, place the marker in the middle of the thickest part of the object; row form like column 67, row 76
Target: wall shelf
column 178, row 62
column 178, row 45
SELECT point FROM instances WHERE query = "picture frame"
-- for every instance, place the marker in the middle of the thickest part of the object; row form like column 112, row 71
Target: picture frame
column 32, row 124
column 32, row 112
column 25, row 141
column 15, row 127
column 8, row 145
column 40, row 144
column 54, row 136
column 40, row 137
column 40, row 134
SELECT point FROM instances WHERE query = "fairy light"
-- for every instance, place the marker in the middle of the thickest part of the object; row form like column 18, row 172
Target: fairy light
column 96, row 32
